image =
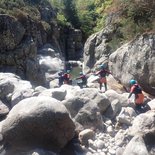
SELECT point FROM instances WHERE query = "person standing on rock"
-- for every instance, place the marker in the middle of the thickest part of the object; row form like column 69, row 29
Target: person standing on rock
column 102, row 74
column 139, row 97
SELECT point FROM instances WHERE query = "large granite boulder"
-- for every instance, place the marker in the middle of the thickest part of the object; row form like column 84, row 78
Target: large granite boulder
column 57, row 93
column 38, row 121
column 13, row 89
column 152, row 104
column 87, row 106
column 136, row 60
column 75, row 104
column 136, row 146
column 143, row 124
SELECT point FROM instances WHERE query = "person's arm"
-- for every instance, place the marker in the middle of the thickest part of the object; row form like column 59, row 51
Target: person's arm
column 77, row 78
column 131, row 91
column 97, row 73
column 80, row 77
column 108, row 72
column 130, row 95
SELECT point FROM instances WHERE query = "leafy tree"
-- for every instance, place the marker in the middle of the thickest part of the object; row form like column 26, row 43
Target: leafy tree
column 134, row 16
column 87, row 16
column 71, row 13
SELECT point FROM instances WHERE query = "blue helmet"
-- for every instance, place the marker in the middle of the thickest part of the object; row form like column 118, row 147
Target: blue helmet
column 132, row 82
column 81, row 73
column 68, row 71
column 102, row 66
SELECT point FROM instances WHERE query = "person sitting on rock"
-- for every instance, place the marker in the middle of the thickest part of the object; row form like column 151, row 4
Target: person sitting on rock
column 139, row 97
column 102, row 74
column 83, row 79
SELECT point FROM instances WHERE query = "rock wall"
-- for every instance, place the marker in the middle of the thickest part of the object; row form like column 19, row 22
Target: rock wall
column 72, row 43
column 136, row 60
column 97, row 49
column 23, row 37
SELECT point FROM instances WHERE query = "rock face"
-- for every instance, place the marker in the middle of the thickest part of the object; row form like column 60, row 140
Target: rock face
column 11, row 32
column 19, row 42
column 143, row 124
column 96, row 49
column 131, row 148
column 13, row 89
column 74, row 46
column 34, row 48
column 86, row 107
column 38, row 121
column 136, row 60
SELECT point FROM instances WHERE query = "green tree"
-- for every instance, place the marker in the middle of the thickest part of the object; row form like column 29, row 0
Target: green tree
column 71, row 13
column 87, row 16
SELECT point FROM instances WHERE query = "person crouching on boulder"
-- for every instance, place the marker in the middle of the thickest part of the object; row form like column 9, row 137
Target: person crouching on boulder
column 83, row 79
column 102, row 74
column 139, row 97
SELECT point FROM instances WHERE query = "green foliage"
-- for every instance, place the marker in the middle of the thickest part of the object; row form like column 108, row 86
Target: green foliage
column 62, row 21
column 87, row 17
column 57, row 4
column 92, row 14
column 20, row 8
column 46, row 26
column 71, row 13
column 23, row 9
column 136, row 17
column 9, row 4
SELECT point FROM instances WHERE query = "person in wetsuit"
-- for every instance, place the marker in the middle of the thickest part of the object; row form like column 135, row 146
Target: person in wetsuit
column 67, row 77
column 102, row 74
column 139, row 97
column 83, row 79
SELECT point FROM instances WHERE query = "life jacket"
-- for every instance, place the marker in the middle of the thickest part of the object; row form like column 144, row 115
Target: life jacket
column 102, row 73
column 136, row 89
column 84, row 79
column 66, row 76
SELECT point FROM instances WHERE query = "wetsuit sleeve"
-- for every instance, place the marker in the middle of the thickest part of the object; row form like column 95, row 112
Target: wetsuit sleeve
column 80, row 77
column 97, row 73
column 131, row 91
column 108, row 72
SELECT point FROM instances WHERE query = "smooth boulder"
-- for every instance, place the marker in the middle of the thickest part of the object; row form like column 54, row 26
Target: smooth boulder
column 38, row 121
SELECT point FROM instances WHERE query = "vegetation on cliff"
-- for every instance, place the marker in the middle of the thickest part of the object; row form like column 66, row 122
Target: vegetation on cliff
column 131, row 17
column 23, row 9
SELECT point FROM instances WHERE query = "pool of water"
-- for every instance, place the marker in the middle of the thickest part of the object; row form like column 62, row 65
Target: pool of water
column 74, row 74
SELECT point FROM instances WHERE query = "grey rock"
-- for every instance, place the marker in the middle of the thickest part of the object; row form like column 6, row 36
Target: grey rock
column 136, row 60
column 38, row 121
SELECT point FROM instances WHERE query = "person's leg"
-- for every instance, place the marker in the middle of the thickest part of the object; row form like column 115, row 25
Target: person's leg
column 105, row 86
column 137, row 108
column 100, row 86
column 81, row 85
column 139, row 102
